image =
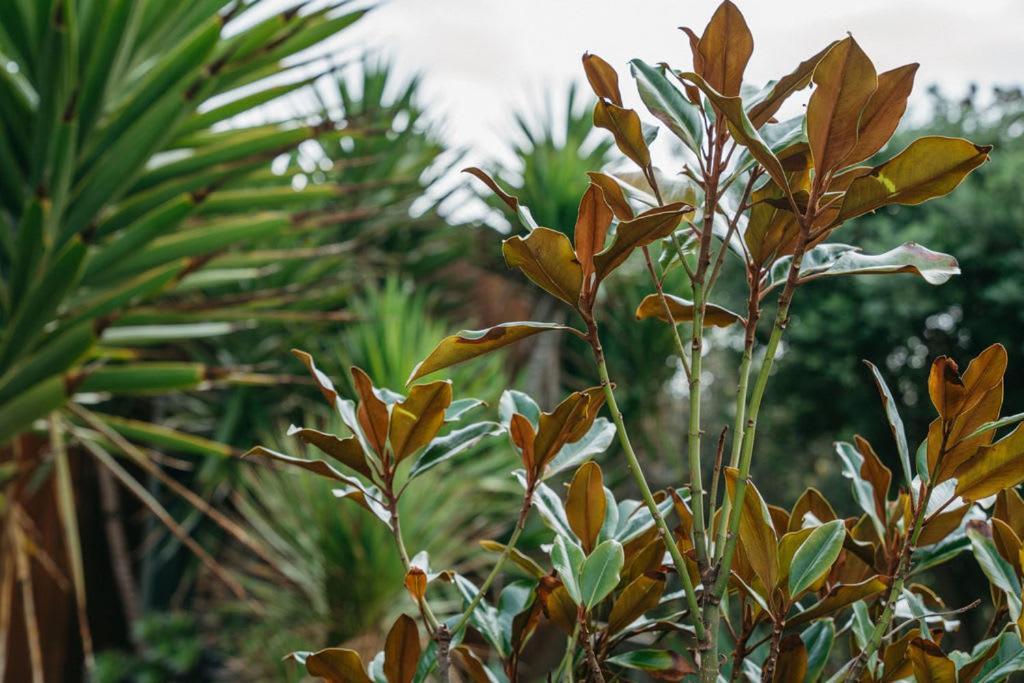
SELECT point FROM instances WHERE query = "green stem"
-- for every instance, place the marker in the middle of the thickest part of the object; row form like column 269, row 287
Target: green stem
column 737, row 439
column 645, row 490
column 396, row 531
column 700, row 536
column 902, row 568
column 567, row 659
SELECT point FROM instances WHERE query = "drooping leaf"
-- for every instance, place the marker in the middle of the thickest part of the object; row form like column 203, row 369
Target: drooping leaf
column 448, row 446
column 639, row 232
column 469, row 344
column 930, row 167
column 793, row 659
column 765, row 107
column 416, row 420
column 600, row 572
column 818, row 639
column 994, row 468
column 521, row 210
column 667, row 104
column 816, row 556
column 934, row 267
column 930, row 663
column 348, row 451
column 546, row 257
column 682, row 311
column 372, row 412
column 613, row 196
column 585, row 504
column 663, row 664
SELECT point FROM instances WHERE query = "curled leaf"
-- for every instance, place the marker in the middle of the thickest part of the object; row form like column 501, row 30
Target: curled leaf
column 682, row 311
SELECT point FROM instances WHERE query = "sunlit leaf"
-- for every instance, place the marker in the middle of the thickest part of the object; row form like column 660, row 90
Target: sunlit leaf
column 546, row 257
column 725, row 48
column 624, row 125
column 602, row 78
column 448, row 446
column 417, row 419
column 682, row 311
column 646, row 228
column 337, row 665
column 667, row 104
column 816, row 556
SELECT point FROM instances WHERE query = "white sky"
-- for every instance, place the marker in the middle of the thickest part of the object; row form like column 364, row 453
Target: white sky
column 481, row 60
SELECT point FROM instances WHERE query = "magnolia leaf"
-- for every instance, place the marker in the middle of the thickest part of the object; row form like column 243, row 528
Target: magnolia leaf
column 348, row 451
column 625, row 127
column 639, row 232
column 336, row 665
column 568, row 422
column 930, row 664
column 475, row 669
column 724, row 49
column 469, row 344
column 640, row 595
column 460, row 407
column 882, row 114
column 934, row 267
column 585, row 504
column 757, row 534
column 635, row 518
column 512, row 402
column 792, row 664
column 372, row 412
column 930, row 167
column 524, row 437
column 844, row 81
column 547, row 258
column 667, row 104
column 525, row 562
column 613, row 196
column 994, row 468
column 367, row 497
column 663, row 664
column 522, row 212
column 323, row 382
column 600, row 572
column 568, row 559
column 998, row 570
column 764, row 108
column 592, row 223
column 682, row 311
column 417, row 419
column 818, row 639
column 416, row 582
column 597, row 440
column 892, row 414
column 402, row 650
column 996, row 424
column 815, row 556
column 548, row 506
column 863, row 490
column 838, row 597
column 320, row 467
column 602, row 78
column 448, row 446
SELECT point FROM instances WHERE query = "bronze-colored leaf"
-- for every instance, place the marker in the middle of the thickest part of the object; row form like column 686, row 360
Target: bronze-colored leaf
column 725, row 48
column 624, row 125
column 348, row 451
column 647, row 559
column 845, row 80
column 942, row 525
column 930, row 167
column 930, row 664
column 560, row 609
column 402, row 650
column 416, row 583
column 838, row 597
column 792, row 663
column 1007, row 543
column 633, row 234
column 337, row 665
column 319, row 467
column 788, row 545
column 613, row 195
column 585, row 504
column 510, row 201
column 592, row 224
column 470, row 344
column 555, row 429
column 417, row 419
column 323, row 382
column 682, row 311
column 796, row 80
column 876, row 473
column 994, row 468
column 523, row 561
column 471, row 664
column 812, row 503
column 757, row 535
column 883, row 112
column 945, row 387
column 372, row 412
column 523, row 436
column 546, row 257
column 639, row 596
column 603, row 78
column 1010, row 508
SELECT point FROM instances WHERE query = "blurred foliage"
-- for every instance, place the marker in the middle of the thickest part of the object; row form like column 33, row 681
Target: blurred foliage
column 172, row 650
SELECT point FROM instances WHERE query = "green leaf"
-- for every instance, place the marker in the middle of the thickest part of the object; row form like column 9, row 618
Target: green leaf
column 460, row 407
column 568, row 560
column 513, row 402
column 667, row 104
column 448, row 446
column 998, row 570
column 818, row 638
column 892, row 414
column 935, row 267
column 600, row 572
column 651, row 661
column 469, row 344
column 597, row 440
column 815, row 556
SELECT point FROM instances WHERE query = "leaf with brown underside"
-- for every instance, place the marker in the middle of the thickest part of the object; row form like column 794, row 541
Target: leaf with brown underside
column 592, row 224
column 624, row 125
column 337, row 665
column 402, row 651
column 469, row 344
column 639, row 596
column 1010, row 508
column 613, row 195
column 945, row 387
column 792, row 663
column 994, row 468
column 318, row 467
column 942, row 525
column 883, row 112
column 796, row 80
column 698, row 60
column 602, row 78
column 641, row 231
column 512, row 202
column 416, row 583
column 523, row 436
column 810, row 501
column 757, row 535
column 323, row 382
column 838, row 597
column 725, row 48
column 372, row 412
column 930, row 167
column 876, row 473
column 557, row 428
column 585, row 504
column 596, row 398
column 546, row 257
column 844, row 82
column 1008, row 543
column 474, row 668
column 417, row 419
column 348, row 451
column 930, row 664
column 682, row 311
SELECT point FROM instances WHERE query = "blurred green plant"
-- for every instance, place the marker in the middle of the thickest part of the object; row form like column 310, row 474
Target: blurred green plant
column 172, row 651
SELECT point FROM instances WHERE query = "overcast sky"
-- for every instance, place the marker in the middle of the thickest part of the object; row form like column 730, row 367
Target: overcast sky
column 483, row 59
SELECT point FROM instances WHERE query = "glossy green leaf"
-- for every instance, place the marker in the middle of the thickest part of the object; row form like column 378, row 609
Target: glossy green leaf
column 568, row 560
column 600, row 572
column 815, row 556
column 667, row 104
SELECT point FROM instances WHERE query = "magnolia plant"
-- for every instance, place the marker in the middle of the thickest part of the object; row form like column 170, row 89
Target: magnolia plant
column 706, row 580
